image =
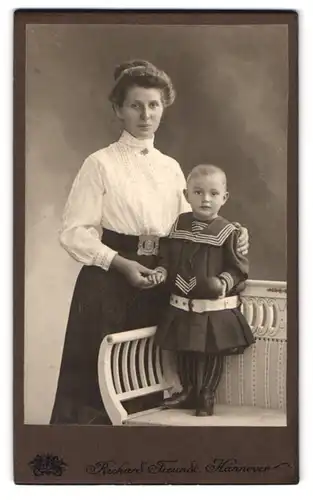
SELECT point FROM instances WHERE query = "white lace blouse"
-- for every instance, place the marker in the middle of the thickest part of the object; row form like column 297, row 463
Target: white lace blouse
column 128, row 187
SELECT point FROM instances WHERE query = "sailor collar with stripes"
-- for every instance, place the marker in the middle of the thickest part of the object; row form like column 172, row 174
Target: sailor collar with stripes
column 213, row 232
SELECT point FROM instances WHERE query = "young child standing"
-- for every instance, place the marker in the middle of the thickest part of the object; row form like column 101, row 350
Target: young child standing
column 203, row 322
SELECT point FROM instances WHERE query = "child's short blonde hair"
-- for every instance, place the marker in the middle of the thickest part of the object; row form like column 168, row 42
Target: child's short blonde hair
column 202, row 170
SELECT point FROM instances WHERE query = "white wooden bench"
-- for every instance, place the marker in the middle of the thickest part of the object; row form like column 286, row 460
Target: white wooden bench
column 252, row 391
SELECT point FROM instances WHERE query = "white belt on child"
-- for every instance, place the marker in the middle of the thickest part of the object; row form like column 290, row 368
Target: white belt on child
column 204, row 305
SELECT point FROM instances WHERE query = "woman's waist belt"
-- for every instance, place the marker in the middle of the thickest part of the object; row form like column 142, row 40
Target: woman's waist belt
column 204, row 305
column 145, row 244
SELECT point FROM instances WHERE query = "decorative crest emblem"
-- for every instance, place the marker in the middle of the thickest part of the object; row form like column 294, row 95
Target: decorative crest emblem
column 47, row 464
column 148, row 245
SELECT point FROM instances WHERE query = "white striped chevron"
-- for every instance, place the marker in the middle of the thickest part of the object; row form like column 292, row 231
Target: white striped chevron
column 198, row 225
column 185, row 286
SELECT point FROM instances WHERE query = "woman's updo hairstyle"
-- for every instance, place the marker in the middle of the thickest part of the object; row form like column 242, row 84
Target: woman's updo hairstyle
column 143, row 74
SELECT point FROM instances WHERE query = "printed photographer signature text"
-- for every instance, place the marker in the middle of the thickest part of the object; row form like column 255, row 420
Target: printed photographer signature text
column 110, row 467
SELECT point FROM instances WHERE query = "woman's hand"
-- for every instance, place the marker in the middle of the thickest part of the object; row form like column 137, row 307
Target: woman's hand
column 243, row 240
column 135, row 273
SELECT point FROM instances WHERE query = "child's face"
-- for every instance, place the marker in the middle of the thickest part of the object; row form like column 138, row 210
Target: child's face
column 206, row 195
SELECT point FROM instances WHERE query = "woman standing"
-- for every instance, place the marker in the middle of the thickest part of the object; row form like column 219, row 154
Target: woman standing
column 124, row 198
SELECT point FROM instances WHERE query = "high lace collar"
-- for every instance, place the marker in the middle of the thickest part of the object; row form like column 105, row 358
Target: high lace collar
column 133, row 142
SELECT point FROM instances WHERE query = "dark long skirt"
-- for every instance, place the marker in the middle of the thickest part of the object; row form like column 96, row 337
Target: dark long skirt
column 103, row 303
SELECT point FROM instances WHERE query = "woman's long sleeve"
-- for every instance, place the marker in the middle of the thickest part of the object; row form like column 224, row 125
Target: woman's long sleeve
column 80, row 232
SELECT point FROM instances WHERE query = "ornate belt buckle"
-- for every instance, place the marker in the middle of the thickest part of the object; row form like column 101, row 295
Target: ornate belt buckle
column 148, row 244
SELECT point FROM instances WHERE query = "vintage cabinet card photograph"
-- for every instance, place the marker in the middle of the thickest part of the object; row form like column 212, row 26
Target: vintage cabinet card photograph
column 155, row 341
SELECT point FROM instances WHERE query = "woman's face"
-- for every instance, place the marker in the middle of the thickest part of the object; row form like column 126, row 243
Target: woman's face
column 141, row 111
